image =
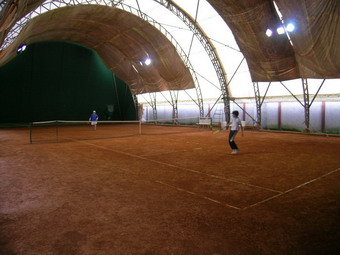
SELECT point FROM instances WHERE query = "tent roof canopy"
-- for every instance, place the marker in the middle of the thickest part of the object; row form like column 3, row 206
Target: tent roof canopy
column 312, row 51
column 315, row 51
column 121, row 39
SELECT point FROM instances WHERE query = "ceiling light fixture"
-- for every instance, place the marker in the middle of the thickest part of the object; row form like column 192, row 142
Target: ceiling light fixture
column 21, row 48
column 290, row 27
column 269, row 32
column 147, row 61
column 280, row 30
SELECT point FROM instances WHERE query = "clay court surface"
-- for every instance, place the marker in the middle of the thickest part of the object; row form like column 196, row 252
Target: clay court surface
column 169, row 193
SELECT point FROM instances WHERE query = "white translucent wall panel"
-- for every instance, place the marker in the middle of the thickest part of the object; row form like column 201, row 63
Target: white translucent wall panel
column 187, row 111
column 292, row 116
column 332, row 116
column 270, row 114
column 251, row 116
column 315, row 117
column 217, row 113
column 164, row 112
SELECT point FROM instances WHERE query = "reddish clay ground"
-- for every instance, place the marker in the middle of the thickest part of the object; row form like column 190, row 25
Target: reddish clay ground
column 170, row 194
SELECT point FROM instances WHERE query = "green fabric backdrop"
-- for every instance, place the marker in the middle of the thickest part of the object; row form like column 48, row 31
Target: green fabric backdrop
column 60, row 80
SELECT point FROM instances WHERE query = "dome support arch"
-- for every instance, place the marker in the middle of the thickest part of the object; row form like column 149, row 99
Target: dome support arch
column 209, row 48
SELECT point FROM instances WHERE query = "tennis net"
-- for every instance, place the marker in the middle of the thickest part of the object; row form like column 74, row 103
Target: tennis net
column 60, row 130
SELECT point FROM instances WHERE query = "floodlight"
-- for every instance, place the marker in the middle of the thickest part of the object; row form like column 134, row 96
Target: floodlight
column 280, row 30
column 21, row 48
column 290, row 27
column 147, row 61
column 269, row 32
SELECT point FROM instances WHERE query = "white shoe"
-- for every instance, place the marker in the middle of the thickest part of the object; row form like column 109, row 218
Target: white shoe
column 234, row 152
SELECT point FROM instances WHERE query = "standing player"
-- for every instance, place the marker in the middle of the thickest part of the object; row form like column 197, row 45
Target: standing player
column 235, row 124
column 94, row 118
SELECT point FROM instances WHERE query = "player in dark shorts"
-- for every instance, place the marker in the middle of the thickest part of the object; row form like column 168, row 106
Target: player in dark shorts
column 235, row 124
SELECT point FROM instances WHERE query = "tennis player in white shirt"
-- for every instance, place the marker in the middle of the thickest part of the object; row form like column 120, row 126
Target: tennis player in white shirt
column 235, row 125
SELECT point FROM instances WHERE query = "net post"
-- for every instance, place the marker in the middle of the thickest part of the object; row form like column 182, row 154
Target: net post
column 140, row 127
column 30, row 130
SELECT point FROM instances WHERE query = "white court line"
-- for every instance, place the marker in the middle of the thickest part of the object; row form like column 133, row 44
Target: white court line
column 178, row 167
column 255, row 186
column 280, row 193
column 197, row 195
column 292, row 189
column 160, row 182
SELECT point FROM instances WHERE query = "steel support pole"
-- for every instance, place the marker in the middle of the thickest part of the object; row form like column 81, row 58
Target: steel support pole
column 306, row 104
column 154, row 105
column 258, row 104
column 174, row 103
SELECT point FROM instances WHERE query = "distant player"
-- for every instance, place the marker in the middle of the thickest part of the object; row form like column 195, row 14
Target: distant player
column 94, row 118
column 235, row 124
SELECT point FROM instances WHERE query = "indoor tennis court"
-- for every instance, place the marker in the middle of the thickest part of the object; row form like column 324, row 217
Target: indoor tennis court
column 118, row 119
column 170, row 193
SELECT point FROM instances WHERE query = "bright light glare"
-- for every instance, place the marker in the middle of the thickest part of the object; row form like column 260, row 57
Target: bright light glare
column 280, row 30
column 269, row 32
column 133, row 66
column 147, row 61
column 21, row 48
column 290, row 27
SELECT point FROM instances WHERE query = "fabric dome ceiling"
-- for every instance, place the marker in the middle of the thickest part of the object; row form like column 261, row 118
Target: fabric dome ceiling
column 121, row 39
column 312, row 53
column 315, row 52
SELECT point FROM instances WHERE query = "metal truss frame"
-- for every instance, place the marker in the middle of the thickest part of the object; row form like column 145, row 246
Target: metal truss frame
column 153, row 104
column 307, row 103
column 259, row 102
column 174, row 104
column 226, row 107
column 208, row 46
